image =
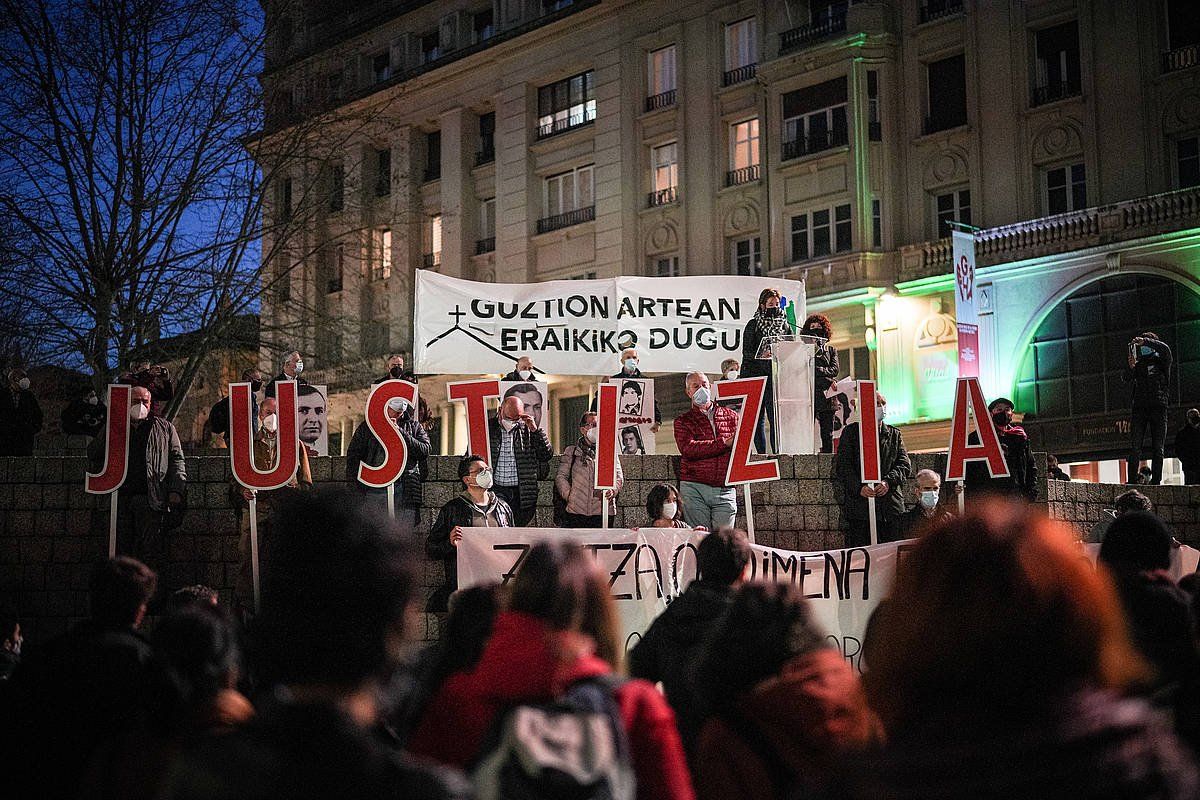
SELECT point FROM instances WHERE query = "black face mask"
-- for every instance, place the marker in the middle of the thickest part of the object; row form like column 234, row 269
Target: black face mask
column 1002, row 419
column 255, row 386
column 772, row 311
column 396, row 372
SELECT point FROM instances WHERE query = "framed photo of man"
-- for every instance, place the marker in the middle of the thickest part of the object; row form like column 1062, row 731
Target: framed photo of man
column 312, row 412
column 535, row 395
column 635, row 415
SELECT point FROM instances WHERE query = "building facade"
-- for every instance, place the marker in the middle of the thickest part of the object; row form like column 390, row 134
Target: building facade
column 521, row 140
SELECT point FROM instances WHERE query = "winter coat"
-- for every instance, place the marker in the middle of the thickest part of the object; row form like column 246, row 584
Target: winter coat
column 526, row 661
column 787, row 736
column 531, row 450
column 459, row 512
column 1088, row 746
column 515, row 377
column 365, row 448
column 166, row 471
column 20, row 421
column 914, row 520
column 894, row 467
column 1151, row 377
column 826, row 367
column 1187, row 446
column 81, row 418
column 282, row 376
column 757, row 328
column 705, row 456
column 218, row 416
column 671, row 646
column 1022, row 468
column 576, row 477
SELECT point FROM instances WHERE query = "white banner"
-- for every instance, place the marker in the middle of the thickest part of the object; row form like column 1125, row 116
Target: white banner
column 635, row 416
column 580, row 327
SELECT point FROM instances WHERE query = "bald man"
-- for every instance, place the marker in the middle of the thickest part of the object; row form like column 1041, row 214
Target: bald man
column 521, row 454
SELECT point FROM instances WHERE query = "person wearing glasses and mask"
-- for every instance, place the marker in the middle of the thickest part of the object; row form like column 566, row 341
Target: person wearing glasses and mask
column 477, row 506
column 523, row 371
column 575, row 480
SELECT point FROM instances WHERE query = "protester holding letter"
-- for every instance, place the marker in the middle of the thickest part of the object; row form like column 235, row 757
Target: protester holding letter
column 704, row 435
column 894, row 468
column 767, row 322
column 1018, row 455
column 576, row 480
column 365, row 448
column 523, row 371
column 293, row 365
column 155, row 482
column 521, row 455
column 669, row 649
column 475, row 507
column 826, row 367
column 630, row 369
column 20, row 416
column 927, row 510
column 396, row 371
column 663, row 509
column 218, row 415
column 1150, row 373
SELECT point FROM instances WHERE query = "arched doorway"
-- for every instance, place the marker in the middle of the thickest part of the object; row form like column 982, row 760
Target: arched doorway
column 1070, row 381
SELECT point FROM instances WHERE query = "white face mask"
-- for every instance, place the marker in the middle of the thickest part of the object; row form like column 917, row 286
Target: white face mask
column 592, row 435
column 507, row 424
column 929, row 498
column 483, row 479
column 299, row 367
column 270, row 423
column 701, row 396
column 93, row 400
column 631, row 364
column 669, row 510
column 138, row 412
column 397, row 405
column 23, row 383
column 731, row 375
column 524, row 373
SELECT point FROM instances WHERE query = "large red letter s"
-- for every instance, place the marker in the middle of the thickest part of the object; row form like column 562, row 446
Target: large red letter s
column 394, row 449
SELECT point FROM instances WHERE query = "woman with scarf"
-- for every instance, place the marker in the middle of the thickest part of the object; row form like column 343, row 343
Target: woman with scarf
column 767, row 322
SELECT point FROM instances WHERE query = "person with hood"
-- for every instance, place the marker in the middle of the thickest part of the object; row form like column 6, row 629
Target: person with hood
column 768, row 321
column 1187, row 447
column 785, row 707
column 475, row 507
column 1022, row 480
column 669, row 648
column 365, row 448
column 20, row 415
column 560, row 628
column 1149, row 371
column 1002, row 670
column 576, row 478
column 523, row 371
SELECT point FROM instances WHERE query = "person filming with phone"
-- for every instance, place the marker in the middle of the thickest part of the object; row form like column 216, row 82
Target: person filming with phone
column 1150, row 373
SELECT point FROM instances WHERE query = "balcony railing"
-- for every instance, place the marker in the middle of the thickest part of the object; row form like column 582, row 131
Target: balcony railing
column 431, row 260
column 1181, row 58
column 944, row 123
column 1050, row 92
column 937, row 9
column 796, row 38
column 485, row 245
column 660, row 100
column 661, row 197
column 807, row 145
column 566, row 219
column 736, row 177
column 566, row 124
column 739, row 75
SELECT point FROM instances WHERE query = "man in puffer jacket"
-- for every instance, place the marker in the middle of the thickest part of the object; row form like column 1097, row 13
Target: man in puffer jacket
column 705, row 438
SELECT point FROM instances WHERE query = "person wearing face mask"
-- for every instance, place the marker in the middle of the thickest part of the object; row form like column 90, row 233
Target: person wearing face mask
column 155, row 480
column 825, row 368
column 477, row 506
column 365, row 448
column 730, row 371
column 293, row 365
column 1187, row 447
column 580, row 502
column 396, row 371
column 768, row 322
column 894, row 466
column 85, row 415
column 523, row 371
column 1149, row 371
column 630, row 369
column 218, row 415
column 266, row 450
column 521, row 455
column 927, row 510
column 662, row 507
column 704, row 435
column 1018, row 455
column 20, row 416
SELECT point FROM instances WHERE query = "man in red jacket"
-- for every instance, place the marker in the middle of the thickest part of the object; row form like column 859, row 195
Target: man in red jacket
column 705, row 437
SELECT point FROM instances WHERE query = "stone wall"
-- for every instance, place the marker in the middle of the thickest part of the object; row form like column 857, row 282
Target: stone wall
column 51, row 531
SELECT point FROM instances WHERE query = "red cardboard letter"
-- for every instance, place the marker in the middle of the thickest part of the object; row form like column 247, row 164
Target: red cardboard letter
column 961, row 451
column 394, row 449
column 116, row 445
column 241, row 438
column 474, row 393
column 606, row 441
column 741, row 468
column 868, row 433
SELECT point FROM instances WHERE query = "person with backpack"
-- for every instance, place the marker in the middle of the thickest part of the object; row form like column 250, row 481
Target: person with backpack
column 577, row 503
column 549, row 666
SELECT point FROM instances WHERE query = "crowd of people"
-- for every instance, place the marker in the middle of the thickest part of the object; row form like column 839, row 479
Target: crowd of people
column 1001, row 664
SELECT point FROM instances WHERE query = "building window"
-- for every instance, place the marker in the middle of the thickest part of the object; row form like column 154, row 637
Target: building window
column 568, row 199
column 432, row 235
column 285, row 199
column 747, row 256
column 381, row 254
column 486, row 242
column 660, row 75
column 741, row 50
column 665, row 164
column 430, row 47
column 874, row 120
column 814, row 118
column 484, row 25
column 946, row 98
column 337, row 187
column 1066, row 189
column 822, row 232
column 664, row 266
column 1183, row 25
column 433, row 156
column 487, row 139
column 383, row 173
column 566, row 104
column 854, row 361
column 876, row 224
column 381, row 66
column 952, row 207
column 334, row 87
column 1056, row 65
column 376, row 337
column 1187, row 162
column 331, row 264
column 583, row 276
column 743, row 152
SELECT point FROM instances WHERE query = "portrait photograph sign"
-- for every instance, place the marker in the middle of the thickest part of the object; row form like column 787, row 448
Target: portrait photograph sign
column 635, row 416
column 312, row 418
